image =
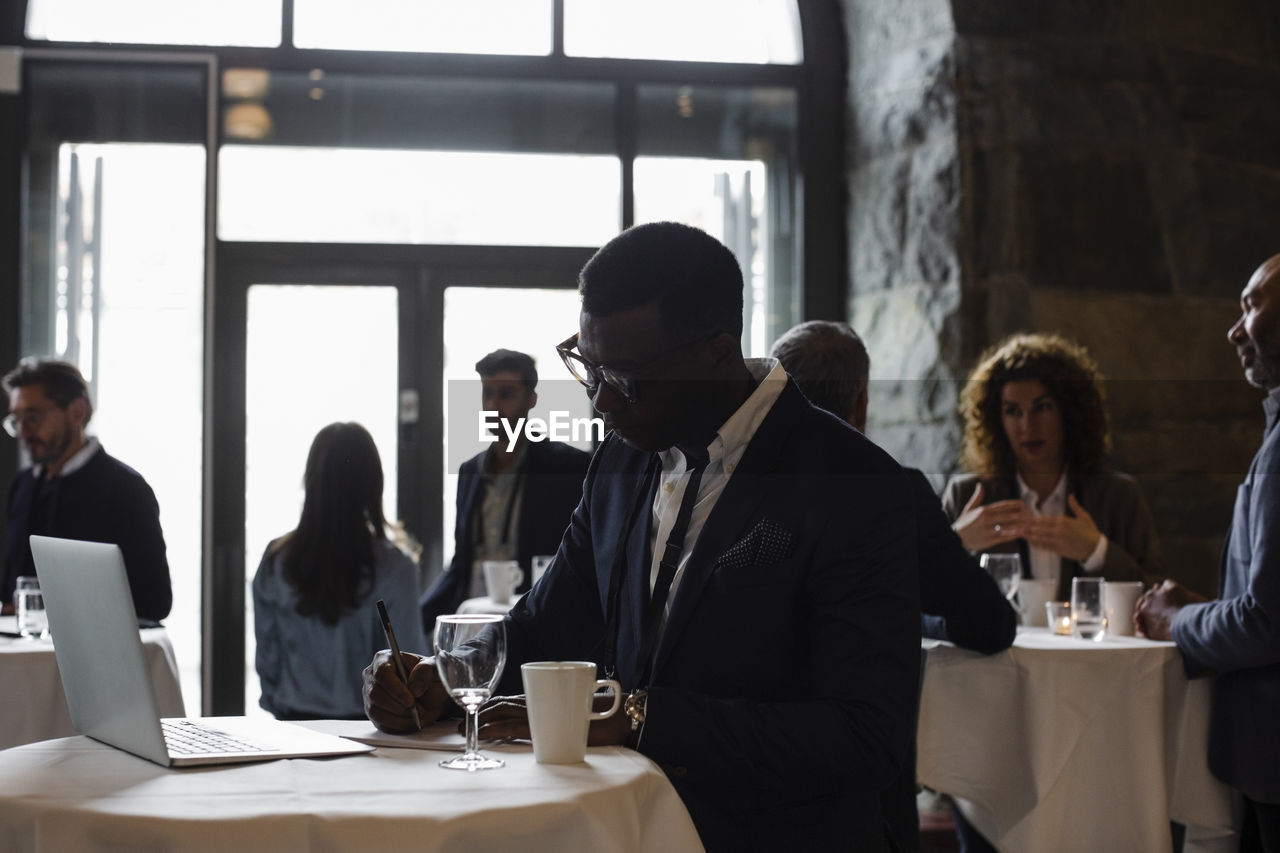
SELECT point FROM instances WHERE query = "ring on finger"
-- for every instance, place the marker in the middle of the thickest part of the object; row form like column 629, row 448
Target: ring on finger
column 996, row 528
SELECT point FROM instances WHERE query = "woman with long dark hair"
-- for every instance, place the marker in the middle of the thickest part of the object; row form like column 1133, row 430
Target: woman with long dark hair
column 313, row 595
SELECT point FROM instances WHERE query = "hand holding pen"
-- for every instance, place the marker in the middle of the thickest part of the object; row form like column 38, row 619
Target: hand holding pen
column 402, row 691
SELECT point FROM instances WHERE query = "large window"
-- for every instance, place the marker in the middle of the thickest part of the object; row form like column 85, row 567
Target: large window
column 191, row 206
column 763, row 31
column 204, row 22
column 444, row 26
column 327, row 195
column 127, row 307
column 740, row 31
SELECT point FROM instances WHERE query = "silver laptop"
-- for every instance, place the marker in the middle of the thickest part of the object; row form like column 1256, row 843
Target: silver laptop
column 104, row 672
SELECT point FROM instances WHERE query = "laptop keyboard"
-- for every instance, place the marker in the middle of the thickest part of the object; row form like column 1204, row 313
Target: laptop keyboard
column 186, row 737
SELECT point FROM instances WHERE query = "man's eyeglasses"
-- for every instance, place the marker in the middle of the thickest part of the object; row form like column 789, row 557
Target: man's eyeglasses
column 623, row 382
column 31, row 419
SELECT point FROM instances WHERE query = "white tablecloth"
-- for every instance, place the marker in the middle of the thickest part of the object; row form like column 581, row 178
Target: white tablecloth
column 33, row 707
column 1060, row 744
column 76, row 794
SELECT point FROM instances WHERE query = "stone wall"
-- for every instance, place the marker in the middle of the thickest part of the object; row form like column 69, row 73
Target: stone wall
column 905, row 197
column 1109, row 169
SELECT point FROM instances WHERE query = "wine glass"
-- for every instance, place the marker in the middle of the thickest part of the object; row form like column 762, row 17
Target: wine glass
column 1006, row 569
column 471, row 650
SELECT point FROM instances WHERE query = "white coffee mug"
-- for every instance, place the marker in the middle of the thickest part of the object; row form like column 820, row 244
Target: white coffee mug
column 558, row 696
column 501, row 577
column 1032, row 595
column 1119, row 598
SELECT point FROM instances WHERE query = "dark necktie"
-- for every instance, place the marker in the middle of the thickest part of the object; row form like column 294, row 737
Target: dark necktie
column 667, row 568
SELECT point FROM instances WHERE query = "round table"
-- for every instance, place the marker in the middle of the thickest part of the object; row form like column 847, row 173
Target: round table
column 1060, row 743
column 38, row 711
column 77, row 794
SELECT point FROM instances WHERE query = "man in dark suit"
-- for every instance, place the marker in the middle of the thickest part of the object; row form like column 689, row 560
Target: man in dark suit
column 958, row 600
column 743, row 562
column 1236, row 638
column 74, row 489
column 515, row 498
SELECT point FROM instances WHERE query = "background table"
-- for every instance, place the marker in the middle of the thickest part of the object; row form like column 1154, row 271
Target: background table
column 1064, row 744
column 76, row 794
column 34, row 708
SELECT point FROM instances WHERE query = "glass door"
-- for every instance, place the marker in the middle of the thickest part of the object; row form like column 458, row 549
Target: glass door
column 314, row 354
column 387, row 336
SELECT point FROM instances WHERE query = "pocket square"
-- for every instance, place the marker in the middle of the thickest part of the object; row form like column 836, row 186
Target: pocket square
column 768, row 543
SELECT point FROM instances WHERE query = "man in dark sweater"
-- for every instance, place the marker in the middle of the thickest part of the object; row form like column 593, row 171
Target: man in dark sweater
column 73, row 489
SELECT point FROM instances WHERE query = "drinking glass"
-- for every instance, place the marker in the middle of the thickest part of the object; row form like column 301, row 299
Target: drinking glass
column 28, row 603
column 1006, row 569
column 1058, row 614
column 1086, row 608
column 471, row 650
column 541, row 563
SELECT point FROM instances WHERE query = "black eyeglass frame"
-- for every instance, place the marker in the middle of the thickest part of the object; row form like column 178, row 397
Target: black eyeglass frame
column 623, row 382
column 34, row 418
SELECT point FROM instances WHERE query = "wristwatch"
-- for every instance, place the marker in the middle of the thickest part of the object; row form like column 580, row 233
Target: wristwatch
column 635, row 707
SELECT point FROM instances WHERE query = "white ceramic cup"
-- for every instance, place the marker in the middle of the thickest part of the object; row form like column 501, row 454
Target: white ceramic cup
column 1032, row 596
column 1119, row 598
column 501, row 577
column 558, row 697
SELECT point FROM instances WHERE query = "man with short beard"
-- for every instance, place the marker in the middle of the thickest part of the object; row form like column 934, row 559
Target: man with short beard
column 74, row 489
column 514, row 498
column 1236, row 638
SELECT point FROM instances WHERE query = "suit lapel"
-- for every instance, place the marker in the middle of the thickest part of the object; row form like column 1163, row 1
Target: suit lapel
column 635, row 597
column 735, row 513
column 471, row 498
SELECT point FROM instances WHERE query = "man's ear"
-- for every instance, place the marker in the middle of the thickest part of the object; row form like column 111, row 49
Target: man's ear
column 859, row 417
column 533, row 399
column 78, row 411
column 725, row 348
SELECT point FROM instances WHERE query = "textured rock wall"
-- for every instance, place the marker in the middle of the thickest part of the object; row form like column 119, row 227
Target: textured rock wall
column 904, row 221
column 1109, row 169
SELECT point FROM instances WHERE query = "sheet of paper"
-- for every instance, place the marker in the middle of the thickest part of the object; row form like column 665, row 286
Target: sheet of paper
column 443, row 735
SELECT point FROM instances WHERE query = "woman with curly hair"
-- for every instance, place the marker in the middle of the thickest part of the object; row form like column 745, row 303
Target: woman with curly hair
column 1035, row 443
column 314, row 594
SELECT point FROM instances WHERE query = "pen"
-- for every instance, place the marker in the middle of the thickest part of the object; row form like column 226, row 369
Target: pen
column 395, row 656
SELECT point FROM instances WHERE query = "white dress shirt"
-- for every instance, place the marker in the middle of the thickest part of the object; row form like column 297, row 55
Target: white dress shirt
column 1044, row 563
column 724, row 453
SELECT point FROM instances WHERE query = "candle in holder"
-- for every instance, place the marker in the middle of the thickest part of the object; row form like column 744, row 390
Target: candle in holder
column 1058, row 614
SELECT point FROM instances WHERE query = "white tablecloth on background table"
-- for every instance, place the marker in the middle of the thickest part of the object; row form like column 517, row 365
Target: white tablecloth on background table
column 1062, row 744
column 33, row 707
column 485, row 604
column 77, row 794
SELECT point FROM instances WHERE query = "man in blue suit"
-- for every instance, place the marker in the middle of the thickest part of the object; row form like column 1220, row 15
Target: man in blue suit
column 766, row 626
column 1236, row 638
column 515, row 498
